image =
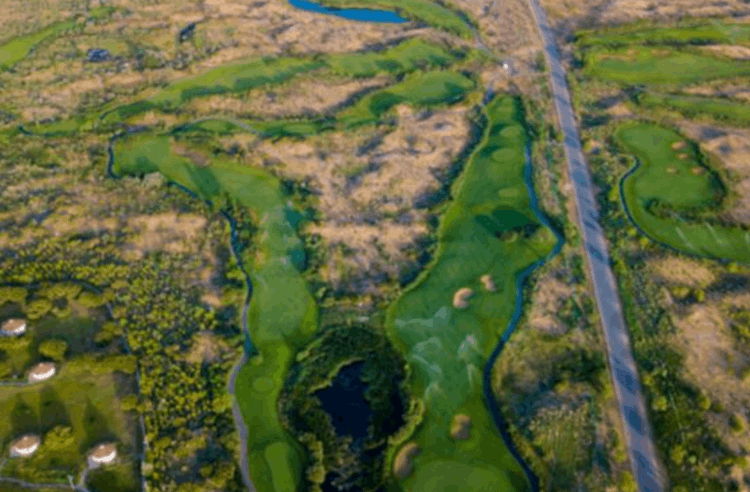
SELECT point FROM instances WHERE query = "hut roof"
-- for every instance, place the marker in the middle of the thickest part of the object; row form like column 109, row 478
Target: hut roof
column 42, row 370
column 27, row 443
column 104, row 452
column 13, row 325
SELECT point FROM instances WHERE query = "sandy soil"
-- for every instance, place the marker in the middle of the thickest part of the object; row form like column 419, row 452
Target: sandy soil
column 732, row 147
column 307, row 96
column 366, row 183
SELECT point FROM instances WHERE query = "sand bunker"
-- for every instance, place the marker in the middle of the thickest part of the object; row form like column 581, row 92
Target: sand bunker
column 461, row 427
column 679, row 145
column 683, row 156
column 402, row 465
column 488, row 283
column 461, row 298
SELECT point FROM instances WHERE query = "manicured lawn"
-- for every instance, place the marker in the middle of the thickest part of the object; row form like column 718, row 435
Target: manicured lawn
column 711, row 108
column 87, row 403
column 282, row 312
column 447, row 347
column 681, row 184
column 715, row 32
column 421, row 89
column 649, row 65
column 419, row 10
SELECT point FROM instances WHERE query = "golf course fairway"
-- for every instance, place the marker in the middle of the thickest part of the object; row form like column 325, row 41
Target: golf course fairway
column 669, row 173
column 489, row 228
column 282, row 314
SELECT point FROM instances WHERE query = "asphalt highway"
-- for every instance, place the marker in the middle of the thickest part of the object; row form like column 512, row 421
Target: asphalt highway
column 643, row 460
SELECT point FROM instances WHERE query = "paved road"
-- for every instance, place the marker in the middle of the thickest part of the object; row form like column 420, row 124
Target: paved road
column 622, row 366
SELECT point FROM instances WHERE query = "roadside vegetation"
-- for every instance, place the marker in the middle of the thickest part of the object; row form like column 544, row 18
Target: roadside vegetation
column 670, row 202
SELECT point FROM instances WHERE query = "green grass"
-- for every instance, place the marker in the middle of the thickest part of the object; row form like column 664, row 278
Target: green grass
column 19, row 48
column 87, row 403
column 663, row 176
column 644, row 65
column 282, row 312
column 241, row 77
column 421, row 89
column 419, row 10
column 436, row 338
column 696, row 107
column 114, row 478
column 697, row 33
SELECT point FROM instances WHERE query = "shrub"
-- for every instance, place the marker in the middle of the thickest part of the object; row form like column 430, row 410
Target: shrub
column 54, row 349
column 736, row 423
column 627, row 482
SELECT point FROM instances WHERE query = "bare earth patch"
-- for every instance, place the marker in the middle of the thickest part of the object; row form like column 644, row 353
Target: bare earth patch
column 732, row 147
column 548, row 299
column 682, row 271
column 734, row 52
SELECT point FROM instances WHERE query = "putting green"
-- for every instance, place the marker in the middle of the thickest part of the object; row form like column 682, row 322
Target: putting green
column 674, row 177
column 282, row 313
column 448, row 347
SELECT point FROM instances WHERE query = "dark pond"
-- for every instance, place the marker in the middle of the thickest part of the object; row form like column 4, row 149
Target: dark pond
column 344, row 401
column 364, row 15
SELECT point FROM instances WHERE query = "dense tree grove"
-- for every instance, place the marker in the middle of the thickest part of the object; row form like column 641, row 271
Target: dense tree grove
column 345, row 460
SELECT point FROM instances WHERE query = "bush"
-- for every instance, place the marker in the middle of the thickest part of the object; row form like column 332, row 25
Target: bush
column 54, row 349
column 627, row 482
column 736, row 423
column 38, row 308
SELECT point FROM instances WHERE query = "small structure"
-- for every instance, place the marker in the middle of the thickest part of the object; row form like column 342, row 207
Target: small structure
column 98, row 55
column 461, row 298
column 42, row 371
column 13, row 327
column 187, row 32
column 102, row 454
column 24, row 446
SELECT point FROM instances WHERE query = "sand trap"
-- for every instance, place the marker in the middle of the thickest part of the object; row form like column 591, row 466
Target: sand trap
column 488, row 283
column 461, row 298
column 402, row 465
column 672, row 170
column 461, row 427
column 697, row 170
column 679, row 145
column 683, row 156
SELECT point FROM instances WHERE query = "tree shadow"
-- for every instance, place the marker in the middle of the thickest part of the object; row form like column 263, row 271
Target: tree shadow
column 23, row 417
column 52, row 410
column 96, row 427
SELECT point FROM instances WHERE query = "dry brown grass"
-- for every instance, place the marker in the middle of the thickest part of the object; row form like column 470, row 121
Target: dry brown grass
column 165, row 232
column 732, row 147
column 622, row 11
column 206, row 347
column 308, row 95
column 729, row 51
column 547, row 302
column 682, row 271
column 506, row 25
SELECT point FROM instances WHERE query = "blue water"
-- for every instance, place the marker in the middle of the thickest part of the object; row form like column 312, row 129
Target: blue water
column 364, row 15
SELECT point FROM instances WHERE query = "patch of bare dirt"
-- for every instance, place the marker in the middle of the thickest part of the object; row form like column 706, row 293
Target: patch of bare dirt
column 735, row 52
column 308, row 96
column 732, row 147
column 368, row 182
column 682, row 271
column 548, row 299
column 207, row 347
column 166, row 232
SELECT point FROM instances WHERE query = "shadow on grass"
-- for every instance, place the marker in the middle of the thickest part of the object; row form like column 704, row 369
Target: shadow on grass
column 96, row 427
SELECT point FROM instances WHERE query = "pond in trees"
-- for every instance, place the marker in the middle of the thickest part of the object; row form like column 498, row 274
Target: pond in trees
column 364, row 15
column 344, row 401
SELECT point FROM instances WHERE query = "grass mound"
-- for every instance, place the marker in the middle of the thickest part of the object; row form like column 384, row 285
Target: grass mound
column 449, row 347
column 693, row 33
column 670, row 185
column 696, row 107
column 663, row 66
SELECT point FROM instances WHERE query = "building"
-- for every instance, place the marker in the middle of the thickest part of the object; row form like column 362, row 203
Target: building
column 42, row 371
column 102, row 454
column 24, row 446
column 13, row 327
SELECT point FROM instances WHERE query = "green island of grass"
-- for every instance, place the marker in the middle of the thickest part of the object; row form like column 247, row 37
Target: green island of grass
column 690, row 33
column 419, row 10
column 489, row 228
column 697, row 107
column 659, row 66
column 668, row 180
